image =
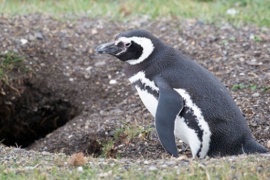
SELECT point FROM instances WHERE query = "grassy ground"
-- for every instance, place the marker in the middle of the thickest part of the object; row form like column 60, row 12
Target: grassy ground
column 235, row 11
column 60, row 166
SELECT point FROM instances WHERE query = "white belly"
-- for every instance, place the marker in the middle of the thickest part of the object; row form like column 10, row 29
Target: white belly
column 148, row 100
column 187, row 135
column 181, row 130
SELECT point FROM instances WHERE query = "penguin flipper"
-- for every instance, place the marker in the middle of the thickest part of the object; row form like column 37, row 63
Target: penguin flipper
column 170, row 103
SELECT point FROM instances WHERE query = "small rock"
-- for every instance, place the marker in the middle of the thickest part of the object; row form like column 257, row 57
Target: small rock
column 163, row 29
column 153, row 168
column 241, row 59
column 253, row 124
column 80, row 169
column 111, row 133
column 120, row 146
column 255, row 95
column 183, row 157
column 90, row 51
column 113, row 81
column 94, row 31
column 232, row 12
column 202, row 44
column 45, row 153
column 170, row 163
column 64, row 45
column 87, row 75
column 254, row 62
column 88, row 69
column 146, row 162
column 18, row 150
column 87, row 24
column 164, row 166
column 106, row 174
column 29, row 167
column 259, row 169
column 70, row 136
column 39, row 35
column 116, row 111
column 24, row 41
column 31, row 37
column 100, row 63
column 268, row 144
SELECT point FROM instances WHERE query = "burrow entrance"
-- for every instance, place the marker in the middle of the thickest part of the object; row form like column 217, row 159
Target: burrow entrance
column 28, row 113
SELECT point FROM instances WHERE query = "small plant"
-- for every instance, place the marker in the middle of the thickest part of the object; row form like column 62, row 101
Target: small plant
column 77, row 159
column 2, row 74
column 236, row 87
column 11, row 58
column 266, row 89
column 124, row 135
column 255, row 38
column 8, row 62
column 253, row 87
column 108, row 149
column 129, row 132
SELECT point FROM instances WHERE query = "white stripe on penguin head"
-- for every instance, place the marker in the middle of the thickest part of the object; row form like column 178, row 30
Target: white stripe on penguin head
column 145, row 43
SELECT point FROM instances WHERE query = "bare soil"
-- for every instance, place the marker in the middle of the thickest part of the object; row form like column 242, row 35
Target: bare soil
column 73, row 100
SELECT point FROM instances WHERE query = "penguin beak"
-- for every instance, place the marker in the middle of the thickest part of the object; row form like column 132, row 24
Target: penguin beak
column 109, row 48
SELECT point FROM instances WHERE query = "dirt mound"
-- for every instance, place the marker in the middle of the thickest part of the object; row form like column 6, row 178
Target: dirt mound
column 77, row 101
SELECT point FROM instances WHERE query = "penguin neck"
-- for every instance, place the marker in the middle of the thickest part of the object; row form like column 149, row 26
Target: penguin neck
column 131, row 70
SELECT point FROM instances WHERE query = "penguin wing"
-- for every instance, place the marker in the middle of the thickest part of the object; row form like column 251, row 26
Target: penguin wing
column 170, row 103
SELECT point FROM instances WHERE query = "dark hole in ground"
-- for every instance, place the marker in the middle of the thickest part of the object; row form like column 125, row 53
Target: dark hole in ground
column 29, row 113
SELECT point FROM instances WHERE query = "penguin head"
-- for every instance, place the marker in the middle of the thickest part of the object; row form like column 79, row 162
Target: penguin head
column 133, row 46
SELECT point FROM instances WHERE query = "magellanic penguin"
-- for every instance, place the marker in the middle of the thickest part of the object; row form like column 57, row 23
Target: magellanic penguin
column 186, row 100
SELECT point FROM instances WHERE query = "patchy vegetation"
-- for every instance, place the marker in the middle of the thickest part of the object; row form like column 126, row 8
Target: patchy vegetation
column 34, row 165
column 10, row 62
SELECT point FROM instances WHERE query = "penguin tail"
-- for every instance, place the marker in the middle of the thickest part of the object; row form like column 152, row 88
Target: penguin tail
column 252, row 146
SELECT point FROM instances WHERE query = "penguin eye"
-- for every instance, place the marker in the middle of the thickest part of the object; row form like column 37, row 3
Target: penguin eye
column 123, row 44
column 127, row 44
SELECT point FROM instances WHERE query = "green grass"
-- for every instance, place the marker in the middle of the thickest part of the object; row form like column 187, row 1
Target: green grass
column 251, row 87
column 11, row 63
column 8, row 62
column 248, row 11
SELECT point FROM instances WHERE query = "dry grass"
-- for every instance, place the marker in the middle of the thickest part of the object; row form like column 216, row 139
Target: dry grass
column 77, row 159
column 20, row 164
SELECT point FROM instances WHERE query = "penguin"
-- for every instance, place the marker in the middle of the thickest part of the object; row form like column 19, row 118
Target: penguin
column 185, row 99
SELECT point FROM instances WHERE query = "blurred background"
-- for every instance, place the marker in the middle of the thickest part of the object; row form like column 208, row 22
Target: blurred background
column 237, row 12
